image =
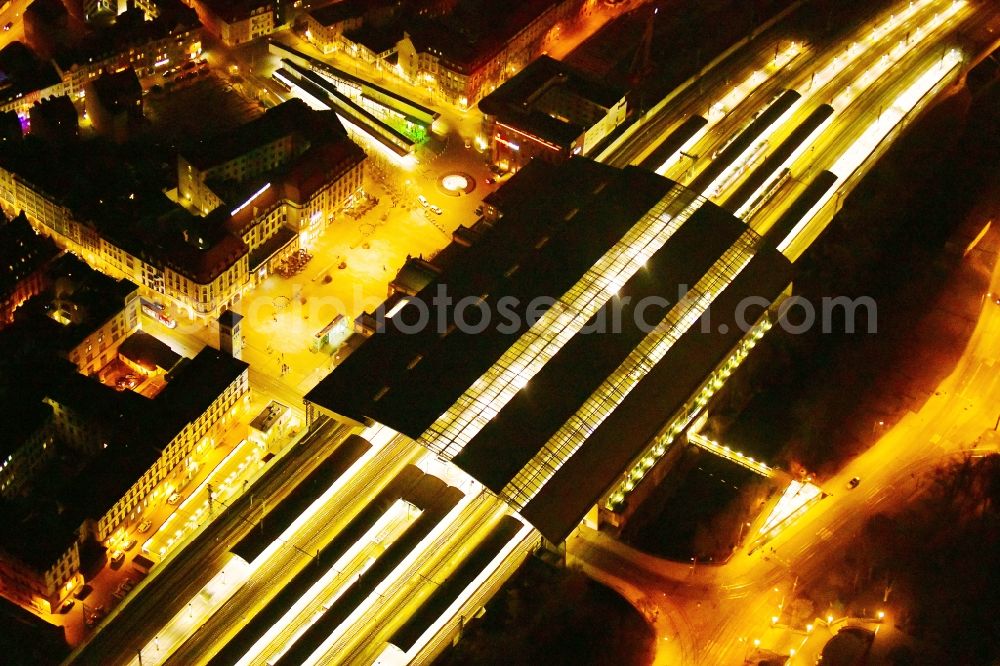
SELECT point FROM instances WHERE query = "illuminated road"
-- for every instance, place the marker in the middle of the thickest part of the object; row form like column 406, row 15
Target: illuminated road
column 12, row 14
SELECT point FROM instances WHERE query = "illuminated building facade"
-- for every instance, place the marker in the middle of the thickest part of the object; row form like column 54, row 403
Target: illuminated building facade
column 549, row 111
column 39, row 558
column 27, row 444
column 24, row 257
column 138, row 450
column 282, row 179
column 237, row 22
column 147, row 447
column 144, row 42
column 471, row 50
column 291, row 169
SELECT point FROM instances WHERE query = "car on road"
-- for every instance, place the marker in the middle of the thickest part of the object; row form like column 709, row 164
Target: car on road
column 436, row 210
column 144, row 526
column 128, row 545
column 7, row 26
column 423, row 201
column 853, row 483
column 117, row 558
column 479, row 211
column 67, row 606
column 174, row 498
column 491, row 180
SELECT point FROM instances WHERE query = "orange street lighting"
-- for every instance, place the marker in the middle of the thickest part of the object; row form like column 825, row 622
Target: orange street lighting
column 809, row 628
column 774, row 619
column 829, row 619
column 881, row 615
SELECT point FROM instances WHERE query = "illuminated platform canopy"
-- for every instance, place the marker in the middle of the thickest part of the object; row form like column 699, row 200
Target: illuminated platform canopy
column 550, row 417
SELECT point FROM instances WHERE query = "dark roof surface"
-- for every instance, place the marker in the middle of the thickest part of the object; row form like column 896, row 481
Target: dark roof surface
column 523, row 426
column 22, row 252
column 562, row 502
column 149, row 352
column 140, row 428
column 293, row 117
column 35, row 532
column 519, row 102
column 475, row 30
column 79, row 295
column 590, row 211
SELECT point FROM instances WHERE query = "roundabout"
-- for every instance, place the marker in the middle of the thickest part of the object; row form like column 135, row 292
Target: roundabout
column 456, row 183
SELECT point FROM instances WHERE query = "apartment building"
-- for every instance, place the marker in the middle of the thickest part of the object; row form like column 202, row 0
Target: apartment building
column 236, row 22
column 468, row 52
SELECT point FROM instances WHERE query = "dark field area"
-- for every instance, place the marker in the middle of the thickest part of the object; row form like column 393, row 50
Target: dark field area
column 682, row 519
column 818, row 399
column 553, row 616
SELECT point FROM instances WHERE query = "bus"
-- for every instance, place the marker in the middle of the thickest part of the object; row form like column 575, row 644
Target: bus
column 158, row 312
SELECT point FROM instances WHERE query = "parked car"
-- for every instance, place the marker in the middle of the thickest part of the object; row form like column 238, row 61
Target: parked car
column 174, row 498
column 436, row 210
column 423, row 201
column 67, row 606
column 117, row 558
column 491, row 180
column 128, row 545
column 479, row 211
column 144, row 526
column 853, row 483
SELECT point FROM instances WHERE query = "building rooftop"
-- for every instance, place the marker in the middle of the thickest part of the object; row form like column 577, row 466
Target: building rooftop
column 28, row 638
column 516, row 434
column 149, row 352
column 377, row 39
column 141, row 427
column 475, row 30
column 20, row 420
column 406, row 380
column 35, row 531
column 535, row 101
column 131, row 29
column 117, row 92
column 563, row 501
column 78, row 301
column 264, row 421
column 21, row 72
column 343, row 10
column 292, row 118
column 235, row 10
column 318, row 166
column 22, row 253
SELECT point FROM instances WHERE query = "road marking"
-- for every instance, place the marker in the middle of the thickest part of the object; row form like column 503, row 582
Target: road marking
column 825, row 534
